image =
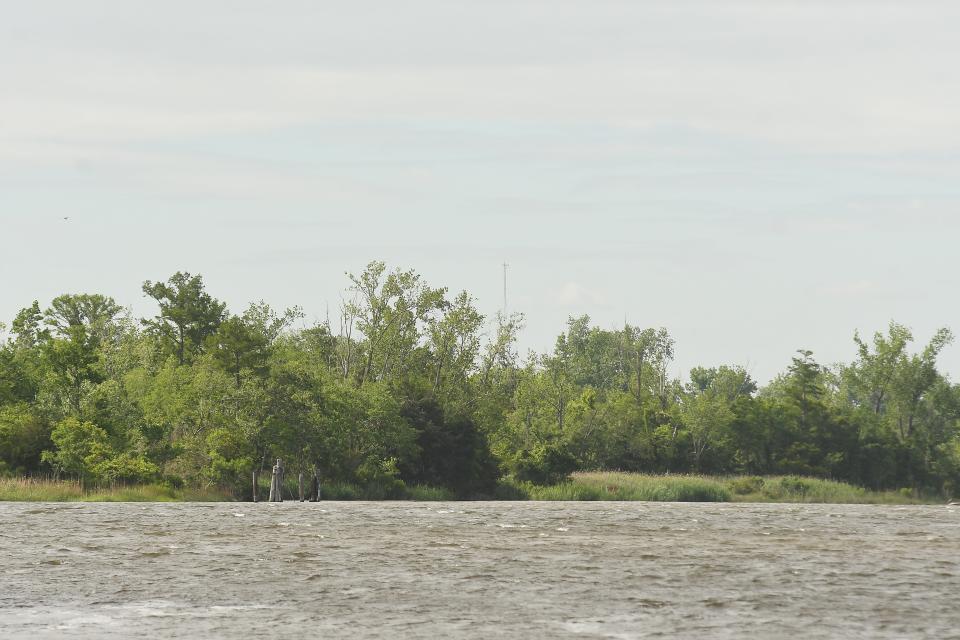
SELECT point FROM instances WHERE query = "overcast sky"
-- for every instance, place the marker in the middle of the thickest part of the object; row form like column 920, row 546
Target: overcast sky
column 755, row 176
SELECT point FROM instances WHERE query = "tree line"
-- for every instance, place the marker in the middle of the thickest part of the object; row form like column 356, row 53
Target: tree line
column 413, row 385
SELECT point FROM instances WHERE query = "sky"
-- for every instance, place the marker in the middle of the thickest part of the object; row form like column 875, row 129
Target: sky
column 757, row 177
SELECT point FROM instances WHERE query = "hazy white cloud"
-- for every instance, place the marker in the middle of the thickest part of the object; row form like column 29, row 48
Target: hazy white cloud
column 714, row 164
column 576, row 295
column 858, row 288
column 842, row 77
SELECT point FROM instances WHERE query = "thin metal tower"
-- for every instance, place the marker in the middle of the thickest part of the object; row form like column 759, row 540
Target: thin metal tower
column 505, row 265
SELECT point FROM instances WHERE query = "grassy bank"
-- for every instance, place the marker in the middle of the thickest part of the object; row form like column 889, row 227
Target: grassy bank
column 343, row 491
column 811, row 490
column 609, row 485
column 629, row 487
column 597, row 485
column 43, row 490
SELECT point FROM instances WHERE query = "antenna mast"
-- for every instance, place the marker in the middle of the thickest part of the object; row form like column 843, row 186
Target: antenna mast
column 505, row 265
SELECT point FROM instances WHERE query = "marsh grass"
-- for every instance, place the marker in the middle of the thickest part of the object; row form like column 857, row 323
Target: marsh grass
column 47, row 490
column 815, row 490
column 420, row 493
column 424, row 493
column 633, row 487
column 615, row 485
column 582, row 486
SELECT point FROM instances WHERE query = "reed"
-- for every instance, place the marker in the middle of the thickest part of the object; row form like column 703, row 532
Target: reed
column 633, row 487
column 816, row 490
column 616, row 485
column 48, row 490
column 421, row 493
column 592, row 485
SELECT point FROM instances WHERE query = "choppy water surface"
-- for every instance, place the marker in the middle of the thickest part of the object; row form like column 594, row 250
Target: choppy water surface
column 472, row 570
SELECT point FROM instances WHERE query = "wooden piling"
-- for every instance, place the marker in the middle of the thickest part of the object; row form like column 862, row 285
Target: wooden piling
column 255, row 485
column 300, row 485
column 276, row 482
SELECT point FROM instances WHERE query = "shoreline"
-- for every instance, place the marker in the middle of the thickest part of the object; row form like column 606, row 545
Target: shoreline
column 601, row 486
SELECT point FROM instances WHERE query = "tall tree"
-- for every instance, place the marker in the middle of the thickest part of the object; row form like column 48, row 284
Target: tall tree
column 243, row 343
column 188, row 314
column 94, row 312
column 454, row 340
column 390, row 311
column 915, row 376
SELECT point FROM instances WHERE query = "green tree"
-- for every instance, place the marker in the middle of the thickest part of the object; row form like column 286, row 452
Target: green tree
column 73, row 362
column 707, row 410
column 239, row 346
column 454, row 341
column 79, row 447
column 188, row 314
column 28, row 326
column 390, row 311
column 915, row 376
column 244, row 343
column 872, row 374
column 24, row 436
column 94, row 312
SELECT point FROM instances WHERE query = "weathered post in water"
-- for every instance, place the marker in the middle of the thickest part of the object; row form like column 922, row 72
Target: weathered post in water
column 255, row 485
column 315, row 486
column 276, row 483
column 300, row 485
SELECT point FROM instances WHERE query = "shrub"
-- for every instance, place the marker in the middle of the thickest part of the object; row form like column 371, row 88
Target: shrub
column 546, row 463
column 424, row 493
column 454, row 452
column 381, row 478
column 746, row 485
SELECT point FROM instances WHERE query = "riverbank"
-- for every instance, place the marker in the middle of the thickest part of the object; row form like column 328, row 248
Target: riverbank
column 44, row 490
column 582, row 486
column 609, row 485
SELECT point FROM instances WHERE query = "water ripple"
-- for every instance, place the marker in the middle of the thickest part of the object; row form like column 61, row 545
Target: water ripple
column 476, row 570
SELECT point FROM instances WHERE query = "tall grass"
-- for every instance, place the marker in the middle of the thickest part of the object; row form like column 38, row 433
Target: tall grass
column 423, row 493
column 811, row 490
column 594, row 485
column 46, row 490
column 612, row 485
column 633, row 487
column 348, row 491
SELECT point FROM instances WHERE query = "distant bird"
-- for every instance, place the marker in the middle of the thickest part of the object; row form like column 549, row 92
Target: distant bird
column 66, row 217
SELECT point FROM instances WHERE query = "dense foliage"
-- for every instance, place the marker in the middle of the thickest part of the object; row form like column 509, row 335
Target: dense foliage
column 414, row 386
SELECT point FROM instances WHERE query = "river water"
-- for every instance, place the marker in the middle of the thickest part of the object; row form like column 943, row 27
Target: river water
column 478, row 570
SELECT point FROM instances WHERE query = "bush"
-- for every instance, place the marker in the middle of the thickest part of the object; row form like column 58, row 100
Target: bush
column 746, row 485
column 454, row 453
column 381, row 479
column 23, row 437
column 607, row 485
column 424, row 493
column 509, row 489
column 546, row 464
column 340, row 491
column 125, row 468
